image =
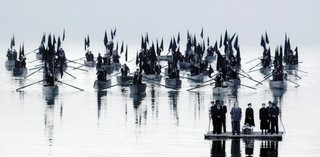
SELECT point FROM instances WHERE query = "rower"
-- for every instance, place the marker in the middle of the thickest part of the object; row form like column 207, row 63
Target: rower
column 124, row 70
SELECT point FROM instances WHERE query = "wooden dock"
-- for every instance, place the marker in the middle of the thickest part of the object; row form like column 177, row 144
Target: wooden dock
column 255, row 135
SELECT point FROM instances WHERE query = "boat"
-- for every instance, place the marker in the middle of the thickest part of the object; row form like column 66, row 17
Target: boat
column 233, row 82
column 100, row 85
column 19, row 72
column 173, row 82
column 138, row 88
column 265, row 70
column 50, row 91
column 220, row 90
column 210, row 58
column 10, row 64
column 124, row 80
column 198, row 78
column 89, row 63
column 278, row 84
column 291, row 66
column 184, row 65
column 164, row 58
column 152, row 77
column 254, row 135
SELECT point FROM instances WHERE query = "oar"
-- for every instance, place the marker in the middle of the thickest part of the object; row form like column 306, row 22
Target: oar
column 32, row 51
column 198, row 86
column 19, row 89
column 254, row 70
column 70, row 85
column 70, row 75
column 171, row 87
column 248, row 86
column 75, row 60
column 293, row 83
column 245, row 73
column 264, row 79
column 295, row 75
column 35, row 68
column 302, row 71
column 77, row 68
column 251, row 79
column 190, row 78
column 33, row 61
column 253, row 60
column 255, row 66
column 119, row 84
column 33, row 72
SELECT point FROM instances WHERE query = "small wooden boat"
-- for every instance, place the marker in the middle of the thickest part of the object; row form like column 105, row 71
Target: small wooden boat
column 100, row 85
column 184, row 65
column 291, row 66
column 220, row 90
column 210, row 58
column 50, row 92
column 197, row 78
column 89, row 63
column 254, row 135
column 138, row 88
column 124, row 80
column 19, row 72
column 152, row 77
column 174, row 82
column 233, row 82
column 10, row 64
column 278, row 84
column 164, row 58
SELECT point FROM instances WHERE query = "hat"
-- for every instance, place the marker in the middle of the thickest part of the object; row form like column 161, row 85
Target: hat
column 249, row 104
column 212, row 102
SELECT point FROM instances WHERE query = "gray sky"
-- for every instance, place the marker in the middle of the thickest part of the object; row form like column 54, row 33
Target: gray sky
column 28, row 20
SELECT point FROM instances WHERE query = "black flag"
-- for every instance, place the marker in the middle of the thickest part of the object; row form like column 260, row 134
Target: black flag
column 43, row 39
column 126, row 54
column 63, row 35
column 105, row 40
column 178, row 39
column 201, row 34
column 262, row 42
column 267, row 39
column 121, row 49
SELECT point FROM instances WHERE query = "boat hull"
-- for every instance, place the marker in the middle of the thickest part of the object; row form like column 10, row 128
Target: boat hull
column 175, row 82
column 19, row 72
column 124, row 80
column 90, row 63
column 184, row 65
column 100, row 85
column 152, row 77
column 278, row 84
column 138, row 88
column 233, row 82
column 197, row 78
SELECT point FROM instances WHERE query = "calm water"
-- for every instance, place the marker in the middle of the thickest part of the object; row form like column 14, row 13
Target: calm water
column 163, row 122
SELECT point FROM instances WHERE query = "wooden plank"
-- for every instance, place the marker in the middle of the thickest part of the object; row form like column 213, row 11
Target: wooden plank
column 255, row 135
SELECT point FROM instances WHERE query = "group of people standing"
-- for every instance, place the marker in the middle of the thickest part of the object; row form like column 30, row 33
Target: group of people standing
column 268, row 117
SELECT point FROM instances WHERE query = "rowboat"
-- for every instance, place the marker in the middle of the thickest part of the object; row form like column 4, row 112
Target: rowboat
column 210, row 58
column 89, row 63
column 138, row 88
column 19, row 72
column 164, row 58
column 291, row 66
column 100, row 85
column 220, row 90
column 184, row 65
column 152, row 77
column 50, row 92
column 233, row 82
column 197, row 78
column 278, row 84
column 124, row 80
column 173, row 82
column 10, row 64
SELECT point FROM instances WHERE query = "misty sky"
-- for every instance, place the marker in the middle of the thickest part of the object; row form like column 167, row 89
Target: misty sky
column 29, row 19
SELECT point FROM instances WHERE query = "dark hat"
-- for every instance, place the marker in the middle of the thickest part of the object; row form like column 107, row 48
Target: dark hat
column 212, row 102
column 274, row 104
column 249, row 104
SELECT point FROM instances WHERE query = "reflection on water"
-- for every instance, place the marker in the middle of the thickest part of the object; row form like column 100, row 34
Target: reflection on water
column 218, row 148
column 140, row 112
column 173, row 100
column 267, row 147
column 100, row 95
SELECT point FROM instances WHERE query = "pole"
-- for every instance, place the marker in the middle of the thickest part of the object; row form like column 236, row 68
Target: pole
column 70, row 85
column 19, row 89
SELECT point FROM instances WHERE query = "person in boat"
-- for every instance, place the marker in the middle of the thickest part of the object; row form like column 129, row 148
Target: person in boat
column 23, row 62
column 99, row 60
column 124, row 70
column 264, row 119
column 49, row 79
column 236, row 115
column 88, row 55
column 14, row 55
column 61, row 56
column 115, row 58
column 158, row 69
column 102, row 74
column 137, row 77
column 249, row 116
column 274, row 114
column 9, row 54
column 218, row 80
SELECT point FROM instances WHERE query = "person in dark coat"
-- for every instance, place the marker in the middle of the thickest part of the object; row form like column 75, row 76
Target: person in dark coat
column 249, row 120
column 218, row 112
column 264, row 118
column 224, row 109
column 236, row 115
column 212, row 109
column 269, row 118
column 274, row 114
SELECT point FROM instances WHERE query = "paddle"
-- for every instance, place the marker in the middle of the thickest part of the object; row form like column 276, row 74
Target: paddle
column 70, row 85
column 253, row 60
column 119, row 84
column 33, row 72
column 302, row 71
column 19, row 89
column 32, row 51
column 33, row 61
column 293, row 83
column 248, row 86
column 198, row 86
column 264, row 79
column 255, row 66
column 70, row 75
column 250, row 78
column 77, row 68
